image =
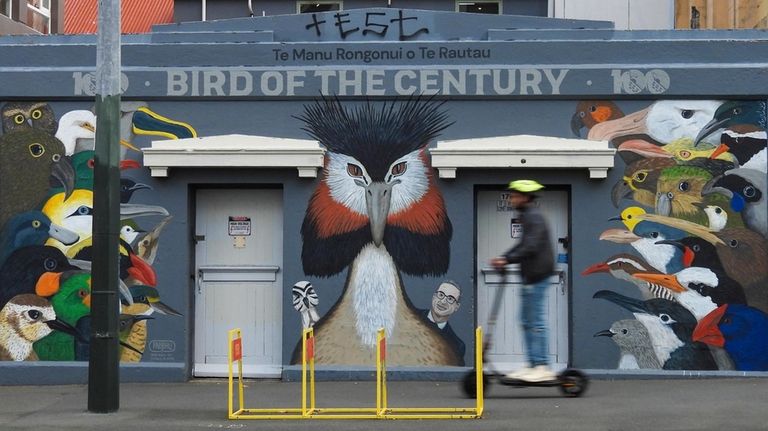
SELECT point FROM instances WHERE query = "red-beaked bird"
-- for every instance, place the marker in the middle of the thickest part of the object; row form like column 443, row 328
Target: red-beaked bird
column 377, row 212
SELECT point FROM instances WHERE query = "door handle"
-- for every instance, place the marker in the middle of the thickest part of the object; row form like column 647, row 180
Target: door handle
column 561, row 280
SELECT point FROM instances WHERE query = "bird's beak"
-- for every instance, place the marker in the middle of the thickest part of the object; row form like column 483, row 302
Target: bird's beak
column 644, row 148
column 616, row 218
column 631, row 304
column 128, row 211
column 619, row 236
column 142, row 271
column 722, row 148
column 706, row 330
column 709, row 129
column 127, row 144
column 163, row 308
column 598, row 267
column 664, row 203
column 139, row 186
column 604, row 333
column 378, row 197
column 576, row 124
column 63, row 235
column 711, row 187
column 64, row 173
column 632, row 124
column 48, row 284
column 622, row 189
column 60, row 325
column 666, row 280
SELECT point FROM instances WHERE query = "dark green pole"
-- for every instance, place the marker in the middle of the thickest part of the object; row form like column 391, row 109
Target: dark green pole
column 104, row 365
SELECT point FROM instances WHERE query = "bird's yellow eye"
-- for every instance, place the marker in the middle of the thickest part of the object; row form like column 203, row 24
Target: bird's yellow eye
column 684, row 154
column 36, row 224
column 37, row 114
column 640, row 176
column 18, row 119
column 36, row 150
column 354, row 170
column 399, row 169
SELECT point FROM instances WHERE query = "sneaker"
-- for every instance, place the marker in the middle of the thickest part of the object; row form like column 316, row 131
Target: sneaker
column 538, row 374
column 516, row 375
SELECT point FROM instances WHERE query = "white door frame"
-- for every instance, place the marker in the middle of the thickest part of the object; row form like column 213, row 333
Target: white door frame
column 253, row 275
column 507, row 349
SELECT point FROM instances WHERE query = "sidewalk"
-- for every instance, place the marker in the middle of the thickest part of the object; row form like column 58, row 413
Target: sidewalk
column 693, row 404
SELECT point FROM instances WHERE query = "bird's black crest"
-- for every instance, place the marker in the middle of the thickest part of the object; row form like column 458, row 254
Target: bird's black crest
column 376, row 135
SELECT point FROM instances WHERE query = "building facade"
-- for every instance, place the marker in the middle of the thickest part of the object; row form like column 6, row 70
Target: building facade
column 347, row 170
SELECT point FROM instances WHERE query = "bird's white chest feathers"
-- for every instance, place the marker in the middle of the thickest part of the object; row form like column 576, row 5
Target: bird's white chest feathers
column 628, row 362
column 17, row 347
column 758, row 162
column 657, row 255
column 663, row 338
column 696, row 303
column 374, row 288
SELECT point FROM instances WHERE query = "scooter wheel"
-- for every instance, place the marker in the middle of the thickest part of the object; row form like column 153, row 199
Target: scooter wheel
column 469, row 384
column 573, row 383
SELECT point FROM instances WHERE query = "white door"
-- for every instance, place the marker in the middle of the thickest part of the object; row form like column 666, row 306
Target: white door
column 496, row 234
column 239, row 252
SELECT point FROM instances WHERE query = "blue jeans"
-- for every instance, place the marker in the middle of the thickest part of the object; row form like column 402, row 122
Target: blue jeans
column 534, row 322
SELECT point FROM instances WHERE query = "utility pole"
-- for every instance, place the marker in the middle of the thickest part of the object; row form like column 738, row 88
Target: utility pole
column 104, row 362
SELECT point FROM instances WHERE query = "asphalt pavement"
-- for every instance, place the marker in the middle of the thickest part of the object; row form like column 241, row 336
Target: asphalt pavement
column 688, row 404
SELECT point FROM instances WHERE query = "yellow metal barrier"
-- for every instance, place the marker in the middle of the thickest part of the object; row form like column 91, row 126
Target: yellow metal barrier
column 311, row 411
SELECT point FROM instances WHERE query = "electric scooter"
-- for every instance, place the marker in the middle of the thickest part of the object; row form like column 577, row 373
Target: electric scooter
column 572, row 382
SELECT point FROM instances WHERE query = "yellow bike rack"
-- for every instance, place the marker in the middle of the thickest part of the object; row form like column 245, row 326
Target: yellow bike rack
column 309, row 410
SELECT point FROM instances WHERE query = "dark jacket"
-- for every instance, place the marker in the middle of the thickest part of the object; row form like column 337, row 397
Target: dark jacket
column 534, row 251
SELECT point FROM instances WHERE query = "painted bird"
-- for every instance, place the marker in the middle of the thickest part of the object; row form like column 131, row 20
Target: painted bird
column 24, row 320
column 635, row 345
column 591, row 112
column 133, row 336
column 144, row 294
column 74, row 127
column 741, row 330
column 377, row 213
column 678, row 190
column 128, row 187
column 31, row 228
column 639, row 181
column 670, row 326
column 70, row 295
column 23, row 268
column 662, row 122
column 28, row 160
column 20, row 116
column 742, row 126
column 623, row 266
column 745, row 188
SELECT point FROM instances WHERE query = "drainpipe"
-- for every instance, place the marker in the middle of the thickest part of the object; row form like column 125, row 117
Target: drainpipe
column 204, row 10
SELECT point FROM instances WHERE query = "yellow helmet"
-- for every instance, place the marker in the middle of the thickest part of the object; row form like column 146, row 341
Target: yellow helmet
column 525, row 186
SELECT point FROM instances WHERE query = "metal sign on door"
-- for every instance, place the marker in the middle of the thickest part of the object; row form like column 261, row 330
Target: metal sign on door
column 239, row 226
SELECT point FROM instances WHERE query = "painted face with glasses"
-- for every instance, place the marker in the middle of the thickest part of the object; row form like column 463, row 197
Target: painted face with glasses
column 445, row 301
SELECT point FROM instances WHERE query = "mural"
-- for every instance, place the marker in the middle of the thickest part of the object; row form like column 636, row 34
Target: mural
column 46, row 232
column 692, row 207
column 377, row 213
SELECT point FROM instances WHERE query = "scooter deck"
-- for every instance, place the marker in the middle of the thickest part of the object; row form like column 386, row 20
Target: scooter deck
column 524, row 383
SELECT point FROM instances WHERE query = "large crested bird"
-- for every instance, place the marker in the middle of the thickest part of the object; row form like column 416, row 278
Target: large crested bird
column 28, row 160
column 24, row 320
column 670, row 326
column 663, row 122
column 639, row 181
column 623, row 266
column 635, row 344
column 23, row 268
column 741, row 330
column 31, row 228
column 745, row 188
column 591, row 112
column 377, row 213
column 28, row 115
